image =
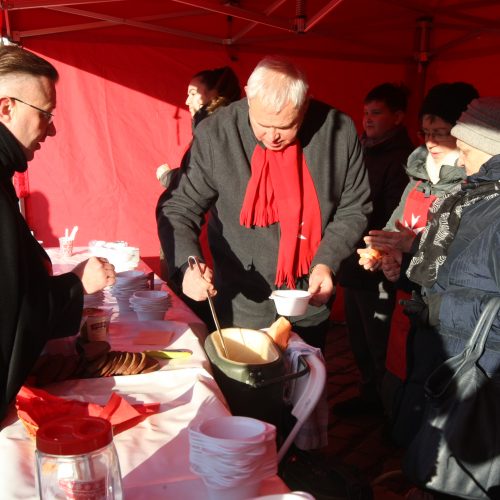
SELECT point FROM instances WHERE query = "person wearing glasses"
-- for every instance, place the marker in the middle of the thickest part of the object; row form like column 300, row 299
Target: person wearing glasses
column 433, row 172
column 34, row 305
column 458, row 267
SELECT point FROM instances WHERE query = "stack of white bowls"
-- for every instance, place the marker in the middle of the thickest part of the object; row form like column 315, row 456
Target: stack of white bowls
column 123, row 257
column 232, row 455
column 150, row 304
column 128, row 282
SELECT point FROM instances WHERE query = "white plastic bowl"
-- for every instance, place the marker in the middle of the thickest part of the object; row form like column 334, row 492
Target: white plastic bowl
column 150, row 315
column 151, row 294
column 294, row 495
column 290, row 302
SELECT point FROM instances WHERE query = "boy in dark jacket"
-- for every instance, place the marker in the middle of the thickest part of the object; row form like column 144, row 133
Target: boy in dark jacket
column 369, row 297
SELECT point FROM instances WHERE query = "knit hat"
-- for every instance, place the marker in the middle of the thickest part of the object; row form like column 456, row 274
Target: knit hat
column 448, row 100
column 479, row 125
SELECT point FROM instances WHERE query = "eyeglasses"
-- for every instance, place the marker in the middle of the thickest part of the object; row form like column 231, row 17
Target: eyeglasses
column 46, row 114
column 435, row 136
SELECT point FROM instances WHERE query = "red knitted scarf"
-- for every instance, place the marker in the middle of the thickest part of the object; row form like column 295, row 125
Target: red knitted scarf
column 281, row 190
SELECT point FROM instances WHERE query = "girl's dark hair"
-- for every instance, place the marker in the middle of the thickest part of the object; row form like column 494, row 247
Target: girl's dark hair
column 225, row 82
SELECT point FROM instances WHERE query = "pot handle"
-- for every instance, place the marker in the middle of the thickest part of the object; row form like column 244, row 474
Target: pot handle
column 284, row 378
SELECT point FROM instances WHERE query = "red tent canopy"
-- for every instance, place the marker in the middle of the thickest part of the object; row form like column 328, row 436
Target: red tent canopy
column 125, row 66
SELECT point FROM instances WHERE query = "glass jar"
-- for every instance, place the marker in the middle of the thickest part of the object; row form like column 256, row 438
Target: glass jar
column 76, row 459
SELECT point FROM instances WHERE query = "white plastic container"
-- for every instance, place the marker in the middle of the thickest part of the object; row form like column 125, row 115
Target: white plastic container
column 290, row 302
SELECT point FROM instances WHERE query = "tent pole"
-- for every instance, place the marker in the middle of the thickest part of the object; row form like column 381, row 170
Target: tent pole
column 418, row 73
column 422, row 53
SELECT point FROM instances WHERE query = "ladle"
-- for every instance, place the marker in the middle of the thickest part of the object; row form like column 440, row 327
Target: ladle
column 192, row 259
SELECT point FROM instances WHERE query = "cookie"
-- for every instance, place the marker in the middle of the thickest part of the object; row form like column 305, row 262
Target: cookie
column 151, row 365
column 124, row 362
column 93, row 368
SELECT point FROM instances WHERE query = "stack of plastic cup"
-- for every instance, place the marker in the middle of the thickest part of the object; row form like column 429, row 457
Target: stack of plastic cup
column 232, row 455
column 66, row 246
column 150, row 304
column 128, row 282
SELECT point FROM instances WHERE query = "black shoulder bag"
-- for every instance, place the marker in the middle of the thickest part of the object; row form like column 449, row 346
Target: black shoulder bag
column 457, row 449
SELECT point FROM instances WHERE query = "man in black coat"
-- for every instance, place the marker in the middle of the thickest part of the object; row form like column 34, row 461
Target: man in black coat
column 34, row 305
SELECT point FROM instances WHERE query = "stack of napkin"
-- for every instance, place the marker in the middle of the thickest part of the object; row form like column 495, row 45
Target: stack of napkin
column 36, row 406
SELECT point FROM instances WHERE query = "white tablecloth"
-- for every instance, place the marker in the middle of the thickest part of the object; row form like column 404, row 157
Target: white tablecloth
column 154, row 455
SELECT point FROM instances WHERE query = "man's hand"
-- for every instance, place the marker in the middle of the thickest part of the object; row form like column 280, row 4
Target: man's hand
column 321, row 285
column 95, row 274
column 402, row 239
column 391, row 264
column 195, row 285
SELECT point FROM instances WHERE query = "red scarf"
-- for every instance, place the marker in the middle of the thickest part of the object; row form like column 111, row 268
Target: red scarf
column 281, row 190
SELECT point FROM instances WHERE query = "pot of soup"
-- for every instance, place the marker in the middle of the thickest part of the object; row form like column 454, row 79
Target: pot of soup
column 250, row 372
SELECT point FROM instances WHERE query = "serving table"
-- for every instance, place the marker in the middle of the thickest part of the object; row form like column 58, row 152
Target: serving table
column 154, row 454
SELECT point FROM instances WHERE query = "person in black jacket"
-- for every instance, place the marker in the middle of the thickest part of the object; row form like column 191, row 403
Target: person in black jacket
column 368, row 296
column 34, row 305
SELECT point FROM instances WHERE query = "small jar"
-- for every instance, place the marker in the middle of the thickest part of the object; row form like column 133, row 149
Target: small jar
column 76, row 459
column 96, row 325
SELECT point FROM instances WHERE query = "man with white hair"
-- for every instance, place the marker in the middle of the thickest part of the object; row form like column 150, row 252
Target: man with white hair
column 284, row 179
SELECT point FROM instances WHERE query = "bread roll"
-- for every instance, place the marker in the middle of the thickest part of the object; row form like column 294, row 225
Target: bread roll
column 371, row 253
column 280, row 331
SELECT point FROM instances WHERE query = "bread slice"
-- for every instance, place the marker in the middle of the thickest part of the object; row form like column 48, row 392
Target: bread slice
column 151, row 365
column 280, row 331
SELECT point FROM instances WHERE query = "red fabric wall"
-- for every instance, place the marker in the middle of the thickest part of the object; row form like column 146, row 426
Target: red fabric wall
column 120, row 113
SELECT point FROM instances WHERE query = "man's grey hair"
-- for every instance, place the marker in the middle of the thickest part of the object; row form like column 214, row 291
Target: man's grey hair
column 276, row 82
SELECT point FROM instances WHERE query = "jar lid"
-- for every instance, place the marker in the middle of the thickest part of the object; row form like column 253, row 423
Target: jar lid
column 73, row 435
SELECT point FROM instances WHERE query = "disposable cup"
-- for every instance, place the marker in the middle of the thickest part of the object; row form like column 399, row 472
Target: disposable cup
column 123, row 305
column 66, row 246
column 96, row 325
column 232, row 428
column 150, row 315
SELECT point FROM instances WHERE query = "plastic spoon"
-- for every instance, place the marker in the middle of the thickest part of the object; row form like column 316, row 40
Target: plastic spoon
column 73, row 233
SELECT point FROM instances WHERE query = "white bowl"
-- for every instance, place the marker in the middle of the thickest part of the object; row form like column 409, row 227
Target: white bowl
column 151, row 295
column 294, row 495
column 290, row 302
column 131, row 275
column 149, row 315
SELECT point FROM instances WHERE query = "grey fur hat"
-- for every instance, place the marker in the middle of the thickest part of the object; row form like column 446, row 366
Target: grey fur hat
column 479, row 125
